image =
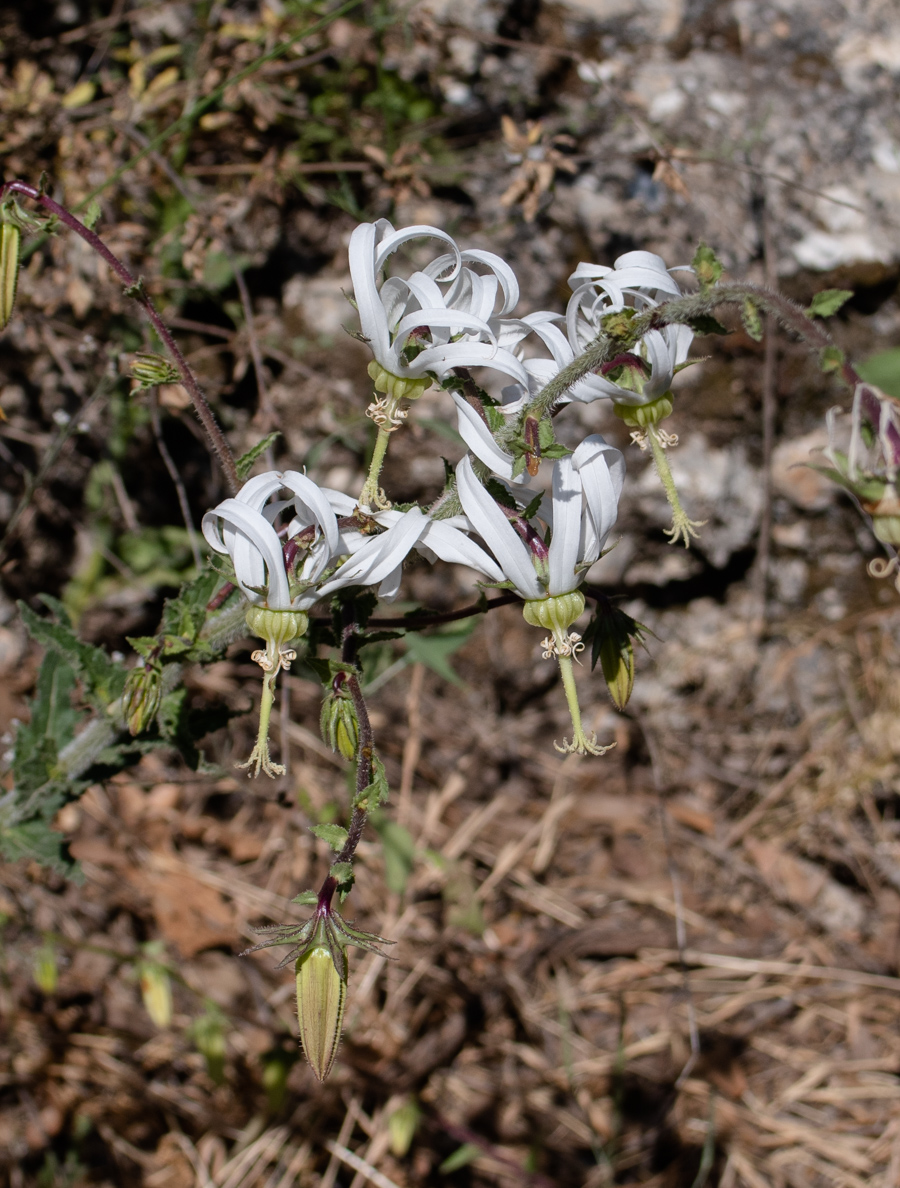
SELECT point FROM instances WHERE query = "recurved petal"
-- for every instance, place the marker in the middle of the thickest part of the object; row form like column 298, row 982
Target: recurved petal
column 254, row 548
column 496, row 531
column 479, row 439
column 468, row 354
column 380, row 555
column 567, row 516
column 363, row 272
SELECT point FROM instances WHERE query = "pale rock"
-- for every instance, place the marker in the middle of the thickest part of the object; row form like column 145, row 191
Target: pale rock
column 793, row 476
column 821, row 251
column 321, row 303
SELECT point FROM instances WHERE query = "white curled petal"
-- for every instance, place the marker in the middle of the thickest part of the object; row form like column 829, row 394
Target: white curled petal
column 314, row 499
column 601, row 468
column 662, row 365
column 464, row 353
column 258, row 489
column 442, row 318
column 380, row 555
column 502, row 271
column 587, row 273
column 450, row 544
column 343, row 505
column 372, row 315
column 496, row 531
column 390, row 587
column 394, row 239
column 479, row 440
column 566, row 538
column 255, row 550
column 679, row 338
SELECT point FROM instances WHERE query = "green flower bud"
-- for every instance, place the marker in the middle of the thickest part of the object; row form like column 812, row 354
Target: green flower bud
column 338, row 724
column 141, row 697
column 617, row 662
column 639, row 416
column 149, row 370
column 46, row 970
column 9, row 270
column 321, row 993
column 555, row 613
column 208, row 1033
column 395, row 386
column 156, row 990
column 887, row 529
column 402, row 1126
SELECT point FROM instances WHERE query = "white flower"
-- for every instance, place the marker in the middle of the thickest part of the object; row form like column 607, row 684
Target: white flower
column 641, row 279
column 453, row 326
column 580, row 515
column 378, row 560
column 243, row 528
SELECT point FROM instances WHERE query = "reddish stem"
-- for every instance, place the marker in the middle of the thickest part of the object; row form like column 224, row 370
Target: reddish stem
column 135, row 288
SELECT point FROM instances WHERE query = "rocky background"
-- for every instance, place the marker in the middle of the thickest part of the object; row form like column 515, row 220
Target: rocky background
column 676, row 965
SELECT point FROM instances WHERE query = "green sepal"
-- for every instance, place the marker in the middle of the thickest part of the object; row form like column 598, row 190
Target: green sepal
column 707, row 267
column 831, row 358
column 342, row 872
column 828, row 302
column 752, row 320
column 518, row 466
column 244, row 464
column 306, row 898
column 334, row 835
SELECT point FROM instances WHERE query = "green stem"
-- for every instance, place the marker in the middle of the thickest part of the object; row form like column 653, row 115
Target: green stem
column 372, row 497
column 581, row 743
column 259, row 757
column 683, row 528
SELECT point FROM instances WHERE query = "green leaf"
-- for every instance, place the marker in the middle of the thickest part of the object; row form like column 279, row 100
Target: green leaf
column 518, row 466
column 306, row 898
column 244, row 464
column 102, row 678
column 434, row 650
column 883, row 370
column 706, row 324
column 335, row 835
column 831, row 358
column 37, row 841
column 52, row 725
column 343, row 873
column 707, row 267
column 461, row 1157
column 376, row 793
column 828, row 302
column 399, row 852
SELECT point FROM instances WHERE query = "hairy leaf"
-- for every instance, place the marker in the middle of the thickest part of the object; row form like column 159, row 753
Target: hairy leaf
column 244, row 464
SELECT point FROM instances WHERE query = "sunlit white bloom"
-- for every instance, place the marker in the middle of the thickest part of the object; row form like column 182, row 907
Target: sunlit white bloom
column 580, row 515
column 243, row 527
column 378, row 560
column 639, row 280
column 441, row 317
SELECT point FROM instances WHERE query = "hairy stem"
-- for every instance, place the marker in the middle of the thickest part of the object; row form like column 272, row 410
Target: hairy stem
column 371, row 498
column 134, row 288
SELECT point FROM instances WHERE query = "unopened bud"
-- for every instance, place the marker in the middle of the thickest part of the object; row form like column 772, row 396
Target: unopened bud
column 141, row 697
column 46, row 970
column 149, row 371
column 338, row 724
column 402, row 1125
column 613, row 633
column 321, row 992
column 156, row 989
column 208, row 1033
column 9, row 270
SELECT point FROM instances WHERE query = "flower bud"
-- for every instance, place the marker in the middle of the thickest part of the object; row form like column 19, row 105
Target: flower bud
column 613, row 633
column 339, row 727
column 556, row 613
column 321, row 992
column 156, row 991
column 141, row 697
column 46, row 970
column 149, row 370
column 9, row 270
